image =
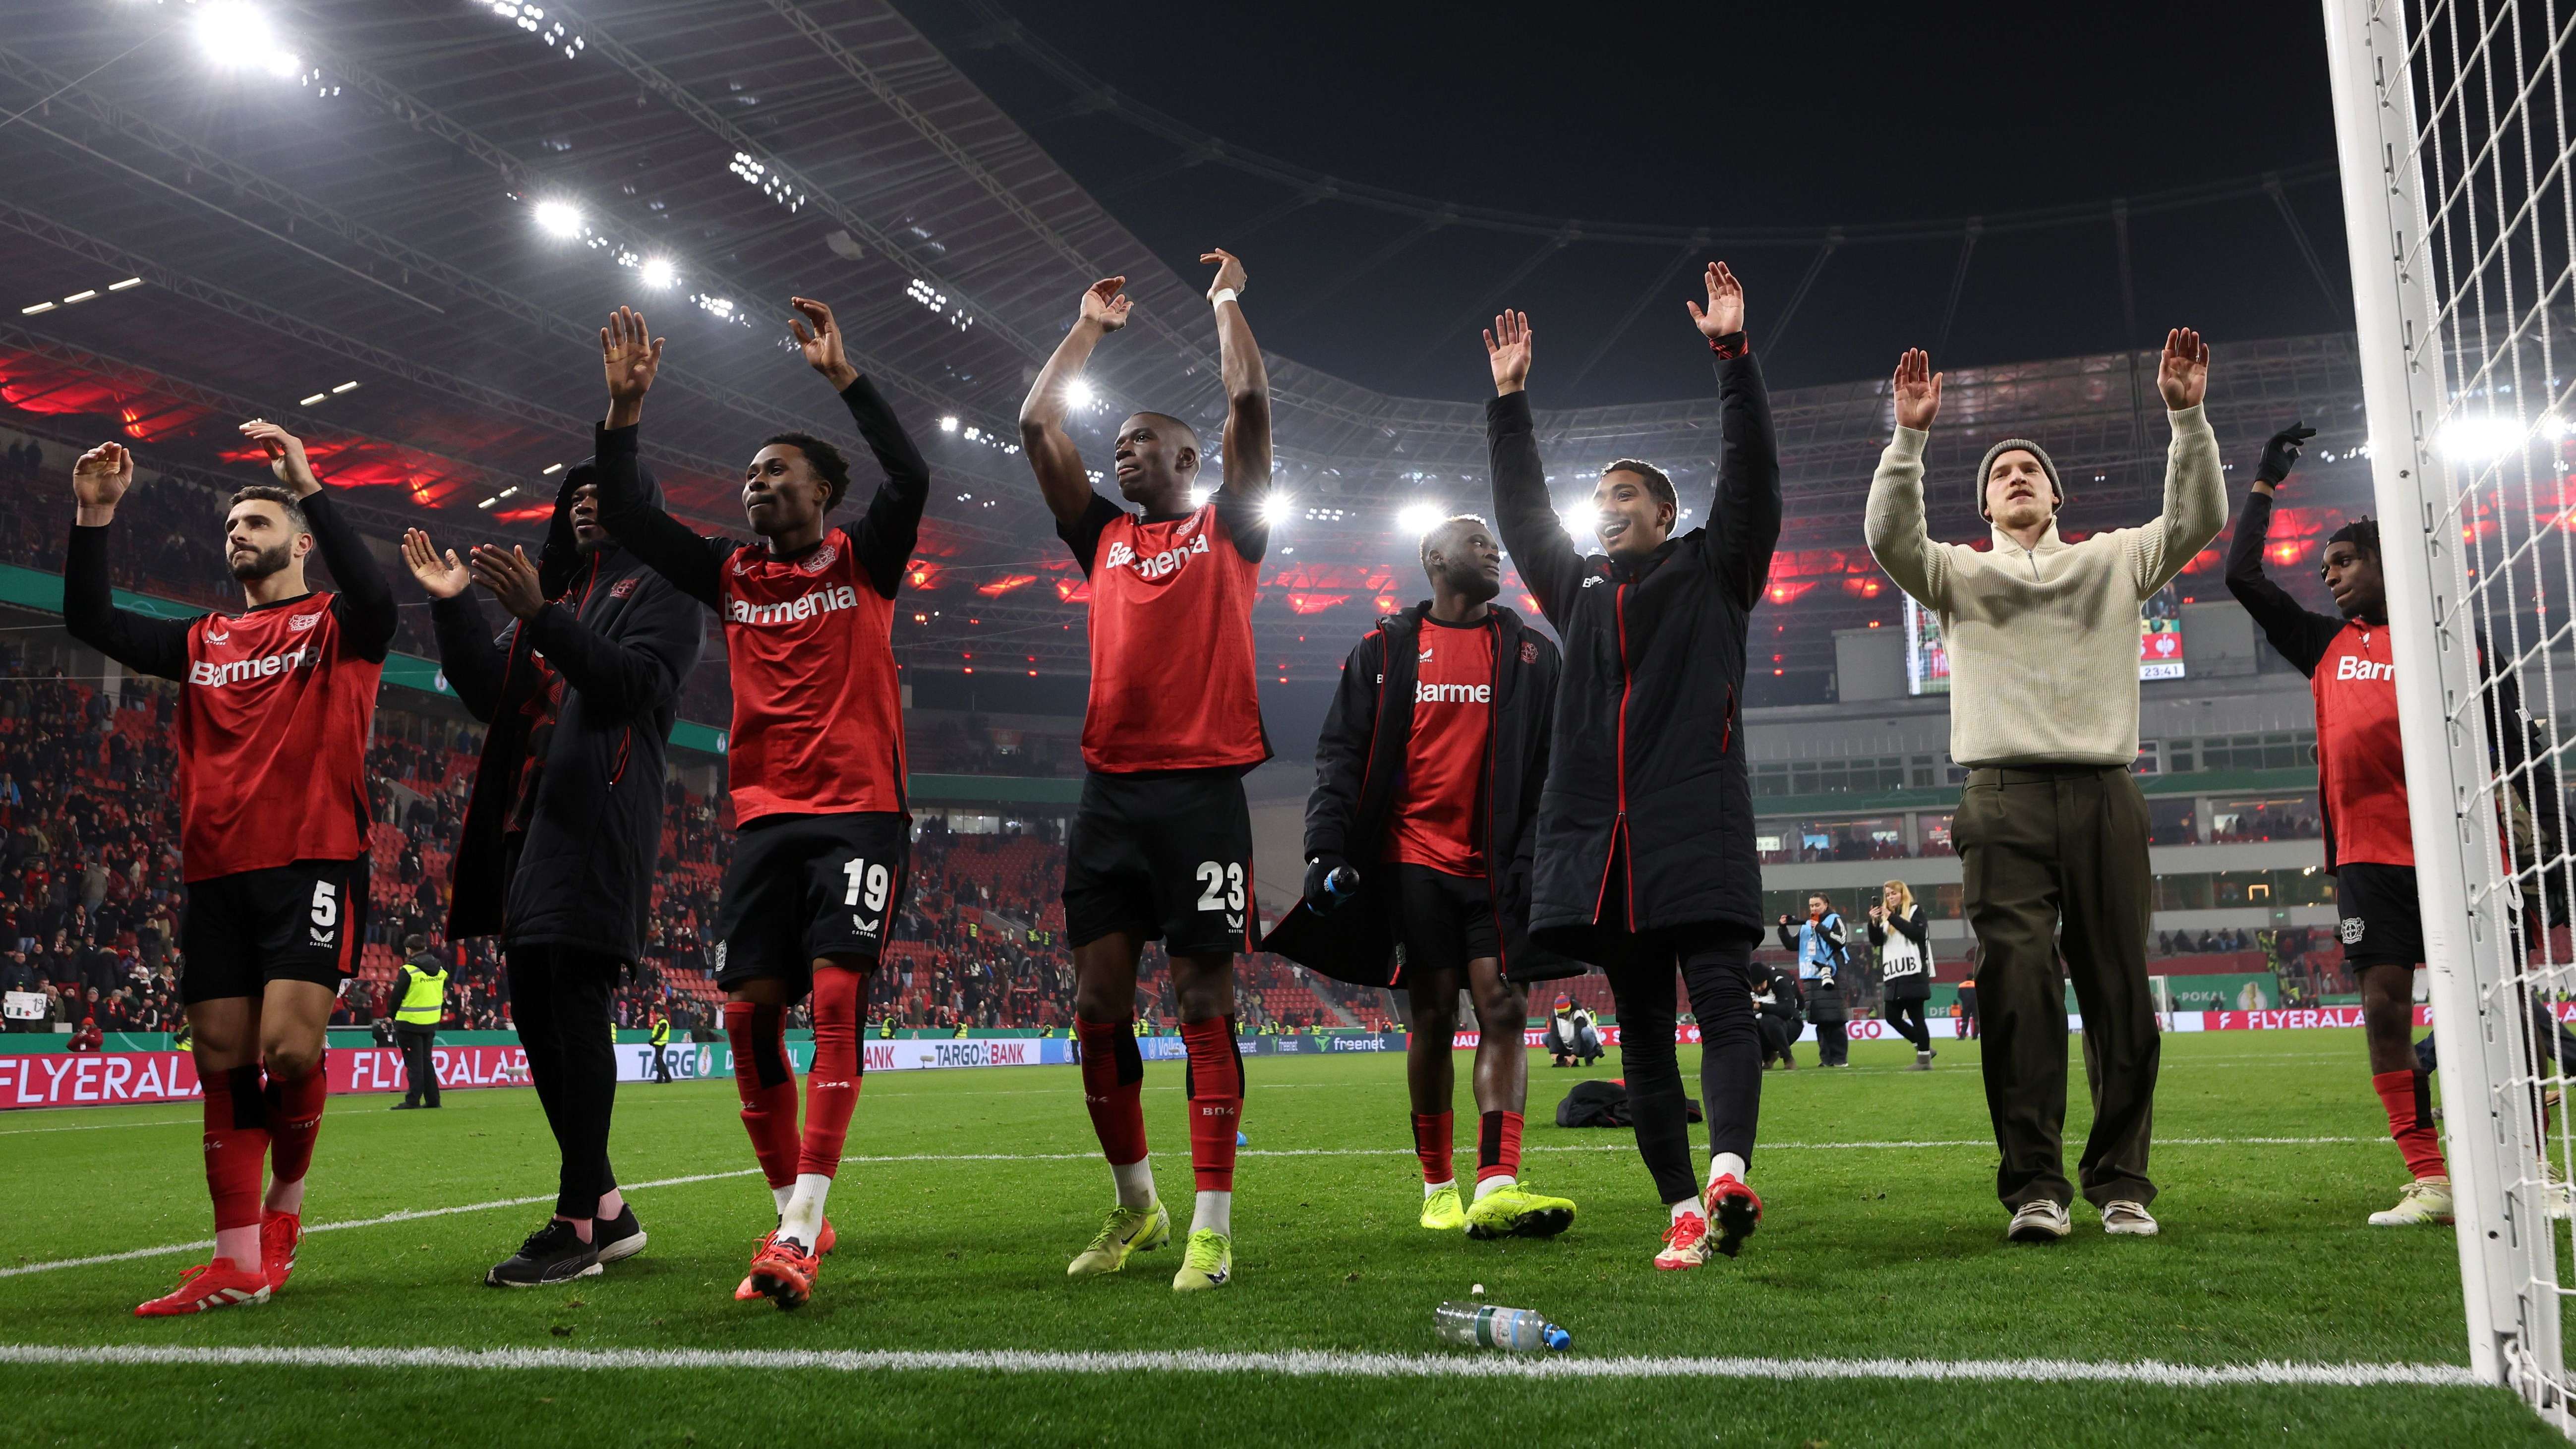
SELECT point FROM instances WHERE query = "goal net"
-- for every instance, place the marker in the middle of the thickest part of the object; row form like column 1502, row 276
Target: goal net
column 2454, row 131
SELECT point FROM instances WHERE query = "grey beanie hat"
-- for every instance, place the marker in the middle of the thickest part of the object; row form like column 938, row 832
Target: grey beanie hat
column 2047, row 465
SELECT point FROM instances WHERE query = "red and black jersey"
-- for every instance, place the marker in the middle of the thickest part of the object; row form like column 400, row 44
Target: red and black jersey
column 817, row 703
column 2361, row 762
column 1171, row 637
column 2352, row 672
column 1439, row 806
column 274, row 707
column 273, row 740
column 817, row 710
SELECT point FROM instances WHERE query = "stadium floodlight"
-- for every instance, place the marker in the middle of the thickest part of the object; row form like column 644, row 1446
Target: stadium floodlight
column 38, row 308
column 128, row 282
column 551, row 469
column 1278, row 509
column 2476, row 439
column 559, row 218
column 658, row 273
column 1417, row 519
column 1078, row 393
column 1581, row 524
column 238, row 37
column 345, row 387
column 1200, row 496
column 80, row 296
column 310, row 401
column 948, row 423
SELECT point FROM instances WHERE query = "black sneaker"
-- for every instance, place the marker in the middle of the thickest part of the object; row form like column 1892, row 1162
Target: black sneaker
column 620, row 1239
column 552, row 1254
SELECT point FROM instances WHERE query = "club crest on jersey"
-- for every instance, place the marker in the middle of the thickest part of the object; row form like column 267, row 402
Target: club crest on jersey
column 621, row 588
column 301, row 622
column 821, row 560
column 1529, row 651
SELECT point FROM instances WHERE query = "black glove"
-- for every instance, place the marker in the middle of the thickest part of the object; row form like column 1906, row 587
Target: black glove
column 1319, row 873
column 2282, row 453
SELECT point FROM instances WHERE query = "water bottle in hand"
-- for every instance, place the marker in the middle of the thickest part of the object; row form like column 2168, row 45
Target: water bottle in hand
column 1479, row 1325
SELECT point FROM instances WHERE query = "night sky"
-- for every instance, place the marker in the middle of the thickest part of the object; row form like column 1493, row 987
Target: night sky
column 1712, row 115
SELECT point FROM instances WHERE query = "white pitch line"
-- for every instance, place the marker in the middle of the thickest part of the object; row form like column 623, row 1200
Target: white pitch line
column 106, row 1126
column 1299, row 1364
column 173, row 1249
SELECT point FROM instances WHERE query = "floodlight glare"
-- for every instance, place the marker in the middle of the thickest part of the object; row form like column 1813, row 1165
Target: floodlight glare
column 948, row 424
column 1278, row 509
column 559, row 218
column 658, row 272
column 238, row 37
column 1579, row 523
column 1079, row 393
column 1417, row 519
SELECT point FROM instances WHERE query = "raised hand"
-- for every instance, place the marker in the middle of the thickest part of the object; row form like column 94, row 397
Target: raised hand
column 1918, row 390
column 1507, row 349
column 441, row 577
column 631, row 355
column 1724, row 313
column 821, row 346
column 100, row 478
column 1229, row 271
column 2281, row 454
column 1104, row 306
column 2183, row 376
column 511, row 578
column 285, row 455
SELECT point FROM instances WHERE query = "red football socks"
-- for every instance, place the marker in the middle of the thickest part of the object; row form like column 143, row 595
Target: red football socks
column 1431, row 1133
column 294, row 1111
column 1216, row 1100
column 2408, row 1098
column 1498, row 1145
column 766, row 1083
column 832, row 1086
column 1113, row 1080
column 236, row 1129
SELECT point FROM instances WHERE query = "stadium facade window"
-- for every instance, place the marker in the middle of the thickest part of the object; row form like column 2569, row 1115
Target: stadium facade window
column 2236, row 889
column 2173, row 821
column 2263, row 817
column 1829, row 777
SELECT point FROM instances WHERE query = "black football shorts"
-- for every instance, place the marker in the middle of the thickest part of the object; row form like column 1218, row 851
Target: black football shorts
column 299, row 922
column 2383, row 924
column 1165, row 855
column 806, row 886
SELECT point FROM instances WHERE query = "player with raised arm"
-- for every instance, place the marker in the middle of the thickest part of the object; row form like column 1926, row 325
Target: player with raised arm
column 814, row 757
column 274, row 705
column 1162, row 841
column 2361, row 792
column 1646, row 864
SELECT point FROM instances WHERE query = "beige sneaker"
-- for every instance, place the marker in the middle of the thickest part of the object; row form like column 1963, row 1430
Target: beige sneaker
column 2128, row 1219
column 2425, row 1200
column 2043, row 1221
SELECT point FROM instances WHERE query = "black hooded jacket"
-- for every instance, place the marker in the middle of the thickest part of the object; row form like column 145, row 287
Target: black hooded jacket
column 1648, row 772
column 622, row 639
column 1359, row 762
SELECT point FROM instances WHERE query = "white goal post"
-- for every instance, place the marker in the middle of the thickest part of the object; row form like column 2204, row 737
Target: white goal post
column 2453, row 127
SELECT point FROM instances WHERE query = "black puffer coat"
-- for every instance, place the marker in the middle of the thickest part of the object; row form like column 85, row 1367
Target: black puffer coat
column 1648, row 767
column 1359, row 761
column 621, row 638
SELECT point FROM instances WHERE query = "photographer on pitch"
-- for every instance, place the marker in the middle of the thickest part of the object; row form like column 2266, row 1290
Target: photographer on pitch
column 1823, row 948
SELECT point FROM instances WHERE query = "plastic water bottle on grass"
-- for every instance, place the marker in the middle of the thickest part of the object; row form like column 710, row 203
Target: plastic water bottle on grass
column 1518, row 1330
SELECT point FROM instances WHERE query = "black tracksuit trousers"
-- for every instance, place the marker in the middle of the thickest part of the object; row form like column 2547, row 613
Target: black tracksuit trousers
column 1719, row 980
column 559, row 998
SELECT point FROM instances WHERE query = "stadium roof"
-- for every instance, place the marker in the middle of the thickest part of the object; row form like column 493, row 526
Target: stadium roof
column 439, row 201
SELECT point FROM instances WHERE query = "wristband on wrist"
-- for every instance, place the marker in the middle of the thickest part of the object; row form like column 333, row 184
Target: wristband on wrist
column 1221, row 296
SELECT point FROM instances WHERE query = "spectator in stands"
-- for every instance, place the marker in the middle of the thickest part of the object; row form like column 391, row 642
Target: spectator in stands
column 87, row 1038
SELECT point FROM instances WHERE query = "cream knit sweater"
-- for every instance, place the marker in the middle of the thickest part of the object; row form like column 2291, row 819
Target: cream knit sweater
column 2044, row 642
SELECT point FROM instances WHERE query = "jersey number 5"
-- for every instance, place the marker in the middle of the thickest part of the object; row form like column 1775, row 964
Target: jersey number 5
column 868, row 880
column 326, row 905
column 1220, row 886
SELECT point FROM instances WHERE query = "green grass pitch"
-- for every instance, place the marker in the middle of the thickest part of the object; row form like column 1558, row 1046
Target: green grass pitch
column 985, row 1182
